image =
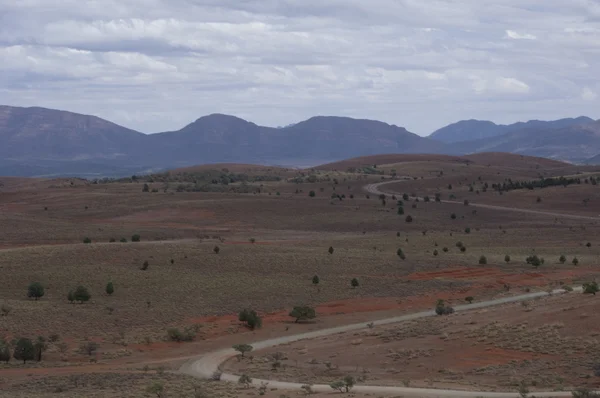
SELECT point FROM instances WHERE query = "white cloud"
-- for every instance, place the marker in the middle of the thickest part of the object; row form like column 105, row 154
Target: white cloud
column 588, row 95
column 511, row 34
column 158, row 64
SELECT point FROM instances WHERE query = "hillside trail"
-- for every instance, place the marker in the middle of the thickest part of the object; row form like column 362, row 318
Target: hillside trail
column 375, row 190
column 209, row 364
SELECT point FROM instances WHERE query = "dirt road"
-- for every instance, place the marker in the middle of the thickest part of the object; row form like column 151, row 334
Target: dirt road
column 375, row 190
column 207, row 365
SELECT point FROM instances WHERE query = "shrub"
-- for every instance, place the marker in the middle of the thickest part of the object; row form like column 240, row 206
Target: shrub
column 24, row 350
column 453, row 216
column 354, row 283
column 4, row 351
column 400, row 210
column 87, row 240
column 110, row 289
column 445, row 250
column 71, row 296
column 442, row 309
column 312, row 194
column 585, row 393
column 482, row 260
column 188, row 334
column 216, row 249
column 534, row 260
column 330, row 250
column 589, row 244
column 426, row 199
column 303, row 313
column 337, row 385
column 252, row 240
column 435, row 252
column 35, row 290
column 591, row 288
column 466, row 202
column 145, row 265
column 562, row 259
column 467, row 230
column 251, row 318
column 123, row 240
column 112, row 240
column 575, row 261
column 145, row 188
column 459, row 244
column 136, row 238
column 463, row 249
column 469, row 299
column 400, row 254
column 81, row 294
column 157, row 388
column 507, row 259
column 405, row 196
column 245, row 380
column 409, row 219
column 315, row 280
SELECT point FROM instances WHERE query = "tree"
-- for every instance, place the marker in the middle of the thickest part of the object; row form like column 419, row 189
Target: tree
column 146, row 188
column 354, row 283
column 39, row 347
column 24, row 350
column 81, row 294
column 591, row 288
column 453, row 216
column 338, row 385
column 216, row 249
column 585, row 393
column 123, row 240
column 409, row 219
column 35, row 290
column 330, row 250
column 312, row 194
column 303, row 313
column 482, row 260
column 89, row 347
column 400, row 210
column 589, row 244
column 110, row 289
column 400, row 254
column 4, row 351
column 435, row 252
column 507, row 259
column 315, row 280
column 71, row 296
column 136, row 238
column 87, row 240
column 467, row 230
column 469, row 299
column 145, row 265
column 405, row 196
column 251, row 318
column 534, row 260
column 466, row 202
column 575, row 261
column 245, row 380
column 442, row 309
column 243, row 348
column 562, row 259
column 349, row 383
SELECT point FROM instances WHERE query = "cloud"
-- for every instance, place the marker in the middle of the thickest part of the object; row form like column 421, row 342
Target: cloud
column 156, row 65
column 511, row 34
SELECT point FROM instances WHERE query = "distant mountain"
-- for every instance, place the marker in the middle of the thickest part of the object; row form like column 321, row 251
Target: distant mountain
column 39, row 141
column 575, row 142
column 469, row 130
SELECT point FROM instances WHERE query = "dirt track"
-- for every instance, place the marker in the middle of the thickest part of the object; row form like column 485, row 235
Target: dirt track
column 207, row 365
column 374, row 189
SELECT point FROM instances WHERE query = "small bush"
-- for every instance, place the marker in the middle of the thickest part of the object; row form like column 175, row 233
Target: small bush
column 188, row 334
column 453, row 216
column 24, row 350
column 315, row 280
column 575, row 261
column 435, row 252
column 445, row 250
column 89, row 348
column 330, row 250
column 466, row 202
column 400, row 254
column 467, row 230
column 463, row 249
column 562, row 259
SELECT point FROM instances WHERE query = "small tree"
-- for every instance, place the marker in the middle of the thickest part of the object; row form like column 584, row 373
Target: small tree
column 251, row 318
column 87, row 240
column 145, row 265
column 71, row 296
column 330, row 250
column 469, row 299
column 400, row 254
column 146, row 188
column 110, row 289
column 136, row 238
column 482, row 260
column 338, row 385
column 589, row 244
column 507, row 259
column 349, row 383
column 591, row 288
column 409, row 219
column 243, row 348
column 89, row 348
column 562, row 259
column 245, row 380
column 400, row 210
column 123, row 240
column 315, row 280
column 442, row 309
column 453, row 216
column 39, row 347
column 466, row 202
column 354, row 283
column 4, row 351
column 216, row 249
column 35, row 290
column 575, row 261
column 312, row 194
column 24, row 350
column 467, row 230
column 81, row 294
column 303, row 313
column 435, row 252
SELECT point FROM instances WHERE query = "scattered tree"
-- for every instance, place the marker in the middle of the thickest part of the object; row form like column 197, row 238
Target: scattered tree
column 442, row 309
column 89, row 348
column 589, row 244
column 35, row 290
column 39, row 347
column 467, row 230
column 110, row 289
column 146, row 188
column 24, row 350
column 123, row 240
column 112, row 240
column 243, row 348
column 435, row 252
column 401, row 211
column 145, row 265
column 303, row 313
column 245, row 380
column 453, row 216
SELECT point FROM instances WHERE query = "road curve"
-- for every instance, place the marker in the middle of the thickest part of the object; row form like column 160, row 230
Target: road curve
column 374, row 189
column 206, row 365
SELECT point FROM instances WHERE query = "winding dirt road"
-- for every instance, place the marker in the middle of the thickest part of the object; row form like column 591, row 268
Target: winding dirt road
column 206, row 365
column 374, row 189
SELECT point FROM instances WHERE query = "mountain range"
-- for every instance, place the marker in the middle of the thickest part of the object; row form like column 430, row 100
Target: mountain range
column 45, row 142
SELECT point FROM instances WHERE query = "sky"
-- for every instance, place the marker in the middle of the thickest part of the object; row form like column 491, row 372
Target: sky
column 157, row 65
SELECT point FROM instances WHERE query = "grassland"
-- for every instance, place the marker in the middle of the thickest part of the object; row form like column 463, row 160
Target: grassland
column 273, row 240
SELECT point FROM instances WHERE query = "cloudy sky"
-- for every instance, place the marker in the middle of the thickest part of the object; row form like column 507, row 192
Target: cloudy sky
column 156, row 65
